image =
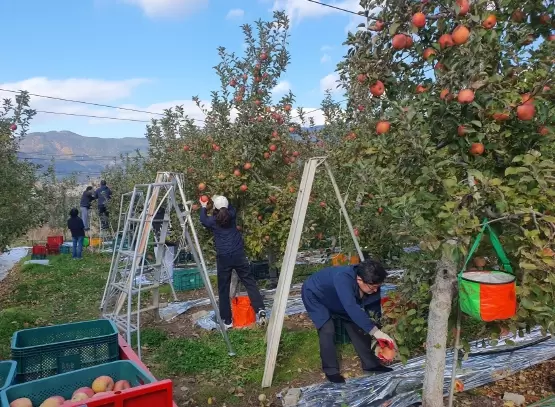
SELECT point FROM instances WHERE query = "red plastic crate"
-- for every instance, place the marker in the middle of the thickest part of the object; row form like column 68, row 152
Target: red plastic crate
column 157, row 394
column 39, row 250
column 127, row 353
column 55, row 240
column 52, row 249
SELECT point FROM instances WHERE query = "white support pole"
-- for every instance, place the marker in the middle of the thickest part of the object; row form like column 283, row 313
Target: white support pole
column 273, row 335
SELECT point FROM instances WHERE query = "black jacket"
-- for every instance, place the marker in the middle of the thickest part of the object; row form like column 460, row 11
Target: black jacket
column 103, row 194
column 77, row 227
column 87, row 198
column 228, row 240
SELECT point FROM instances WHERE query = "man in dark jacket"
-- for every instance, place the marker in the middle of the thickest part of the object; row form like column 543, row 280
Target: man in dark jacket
column 350, row 293
column 103, row 194
column 77, row 227
column 86, row 200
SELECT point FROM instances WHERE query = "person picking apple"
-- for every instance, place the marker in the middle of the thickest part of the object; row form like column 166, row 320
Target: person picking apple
column 230, row 255
column 350, row 293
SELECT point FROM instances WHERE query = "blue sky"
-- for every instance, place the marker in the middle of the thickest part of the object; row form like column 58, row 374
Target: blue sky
column 152, row 54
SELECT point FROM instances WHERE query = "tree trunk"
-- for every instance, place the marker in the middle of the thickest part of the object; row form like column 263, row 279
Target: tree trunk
column 436, row 342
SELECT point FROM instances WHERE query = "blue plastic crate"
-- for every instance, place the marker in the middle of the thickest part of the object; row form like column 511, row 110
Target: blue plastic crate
column 7, row 373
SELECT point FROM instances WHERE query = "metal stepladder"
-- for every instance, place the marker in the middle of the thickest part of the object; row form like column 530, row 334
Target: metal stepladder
column 133, row 285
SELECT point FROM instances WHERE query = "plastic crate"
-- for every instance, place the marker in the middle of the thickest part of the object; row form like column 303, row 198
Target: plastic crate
column 341, row 335
column 126, row 353
column 187, row 279
column 52, row 249
column 38, row 257
column 55, row 240
column 184, row 257
column 65, row 249
column 260, row 270
column 7, row 373
column 65, row 384
column 39, row 250
column 44, row 352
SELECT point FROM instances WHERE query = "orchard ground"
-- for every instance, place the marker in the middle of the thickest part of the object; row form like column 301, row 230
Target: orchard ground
column 197, row 360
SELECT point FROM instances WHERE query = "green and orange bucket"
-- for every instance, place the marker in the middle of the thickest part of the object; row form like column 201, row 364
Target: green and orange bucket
column 488, row 295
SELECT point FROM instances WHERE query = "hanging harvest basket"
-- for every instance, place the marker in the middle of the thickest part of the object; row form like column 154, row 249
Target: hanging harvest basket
column 488, row 295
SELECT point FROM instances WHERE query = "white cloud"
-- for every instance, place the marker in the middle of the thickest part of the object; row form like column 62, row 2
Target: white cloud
column 330, row 82
column 235, row 13
column 325, row 58
column 326, row 48
column 281, row 88
column 88, row 90
column 168, row 8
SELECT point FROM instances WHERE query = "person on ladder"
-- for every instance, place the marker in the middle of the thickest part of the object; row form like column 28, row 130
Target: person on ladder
column 230, row 255
column 350, row 293
column 103, row 194
column 86, row 200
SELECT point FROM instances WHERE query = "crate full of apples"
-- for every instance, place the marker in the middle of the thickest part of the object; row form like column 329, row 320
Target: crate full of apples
column 77, row 386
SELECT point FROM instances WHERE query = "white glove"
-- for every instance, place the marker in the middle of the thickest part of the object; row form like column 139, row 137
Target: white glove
column 379, row 335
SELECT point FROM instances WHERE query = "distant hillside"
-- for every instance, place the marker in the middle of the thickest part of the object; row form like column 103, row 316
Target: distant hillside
column 75, row 153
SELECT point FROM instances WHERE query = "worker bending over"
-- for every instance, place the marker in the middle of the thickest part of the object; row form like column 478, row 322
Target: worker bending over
column 349, row 292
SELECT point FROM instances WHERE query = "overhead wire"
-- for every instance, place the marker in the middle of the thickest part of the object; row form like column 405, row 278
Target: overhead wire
column 336, row 8
column 112, row 107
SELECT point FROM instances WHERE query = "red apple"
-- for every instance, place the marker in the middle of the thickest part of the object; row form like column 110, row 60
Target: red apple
column 377, row 89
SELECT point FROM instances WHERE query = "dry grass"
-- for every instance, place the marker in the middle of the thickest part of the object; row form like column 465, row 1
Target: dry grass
column 39, row 235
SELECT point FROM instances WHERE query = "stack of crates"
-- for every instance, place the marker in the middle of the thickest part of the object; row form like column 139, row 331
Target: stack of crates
column 57, row 360
column 53, row 244
column 38, row 252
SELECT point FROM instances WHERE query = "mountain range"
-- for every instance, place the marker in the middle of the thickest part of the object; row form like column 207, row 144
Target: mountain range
column 72, row 153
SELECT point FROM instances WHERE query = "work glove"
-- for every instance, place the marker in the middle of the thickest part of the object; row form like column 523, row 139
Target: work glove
column 384, row 340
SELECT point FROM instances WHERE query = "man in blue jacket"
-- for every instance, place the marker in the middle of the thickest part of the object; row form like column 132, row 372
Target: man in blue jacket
column 349, row 292
column 103, row 194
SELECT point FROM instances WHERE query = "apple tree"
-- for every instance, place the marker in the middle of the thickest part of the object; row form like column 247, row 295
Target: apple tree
column 452, row 119
column 18, row 200
column 251, row 144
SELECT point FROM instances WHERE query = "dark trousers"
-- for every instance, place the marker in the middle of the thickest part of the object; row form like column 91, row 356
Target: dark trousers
column 103, row 214
column 360, row 340
column 225, row 267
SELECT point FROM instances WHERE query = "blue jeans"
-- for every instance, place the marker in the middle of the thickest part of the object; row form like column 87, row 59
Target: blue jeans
column 78, row 247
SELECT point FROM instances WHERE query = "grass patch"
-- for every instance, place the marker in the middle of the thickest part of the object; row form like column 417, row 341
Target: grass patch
column 65, row 291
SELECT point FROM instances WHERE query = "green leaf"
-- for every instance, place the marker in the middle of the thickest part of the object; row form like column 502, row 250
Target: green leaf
column 393, row 28
column 476, row 123
column 411, row 312
column 515, row 170
column 527, row 266
column 548, row 218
